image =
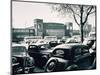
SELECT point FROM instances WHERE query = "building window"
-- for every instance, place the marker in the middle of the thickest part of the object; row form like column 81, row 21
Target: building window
column 26, row 31
column 71, row 28
column 31, row 30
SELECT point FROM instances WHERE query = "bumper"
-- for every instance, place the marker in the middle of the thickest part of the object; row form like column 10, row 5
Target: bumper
column 22, row 70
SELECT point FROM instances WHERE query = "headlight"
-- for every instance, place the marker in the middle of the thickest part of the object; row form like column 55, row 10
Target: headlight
column 14, row 60
column 30, row 61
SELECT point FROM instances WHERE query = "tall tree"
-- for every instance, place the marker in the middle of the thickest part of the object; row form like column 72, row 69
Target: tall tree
column 80, row 13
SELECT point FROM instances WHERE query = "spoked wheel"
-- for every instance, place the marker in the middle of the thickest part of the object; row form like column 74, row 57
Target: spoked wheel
column 51, row 66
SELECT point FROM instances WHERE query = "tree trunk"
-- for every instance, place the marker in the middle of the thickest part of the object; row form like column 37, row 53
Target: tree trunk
column 81, row 32
column 81, row 22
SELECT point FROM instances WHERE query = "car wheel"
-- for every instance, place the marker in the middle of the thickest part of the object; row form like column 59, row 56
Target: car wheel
column 51, row 66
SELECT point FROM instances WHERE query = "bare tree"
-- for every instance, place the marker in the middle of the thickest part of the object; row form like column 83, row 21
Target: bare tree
column 80, row 13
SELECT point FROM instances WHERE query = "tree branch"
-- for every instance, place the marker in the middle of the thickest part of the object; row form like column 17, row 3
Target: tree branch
column 93, row 12
column 88, row 8
column 74, row 15
column 76, row 20
column 73, row 11
column 88, row 13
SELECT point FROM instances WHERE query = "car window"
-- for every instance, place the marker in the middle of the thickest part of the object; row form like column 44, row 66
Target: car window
column 32, row 48
column 42, row 47
column 80, row 51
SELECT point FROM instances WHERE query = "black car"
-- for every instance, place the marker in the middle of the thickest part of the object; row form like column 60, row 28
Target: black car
column 21, row 61
column 53, row 43
column 89, row 41
column 73, row 40
column 40, row 53
column 67, row 57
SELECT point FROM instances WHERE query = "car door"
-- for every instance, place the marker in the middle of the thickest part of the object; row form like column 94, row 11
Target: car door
column 83, row 58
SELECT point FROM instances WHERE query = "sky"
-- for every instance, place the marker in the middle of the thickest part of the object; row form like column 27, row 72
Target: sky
column 24, row 13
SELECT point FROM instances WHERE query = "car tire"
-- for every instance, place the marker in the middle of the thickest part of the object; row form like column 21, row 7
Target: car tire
column 51, row 66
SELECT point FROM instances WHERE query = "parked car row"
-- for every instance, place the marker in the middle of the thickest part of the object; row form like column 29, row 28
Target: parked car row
column 54, row 57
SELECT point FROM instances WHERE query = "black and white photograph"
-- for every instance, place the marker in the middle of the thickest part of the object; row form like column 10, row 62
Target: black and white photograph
column 52, row 37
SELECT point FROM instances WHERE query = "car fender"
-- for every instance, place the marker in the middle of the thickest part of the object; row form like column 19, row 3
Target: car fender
column 59, row 61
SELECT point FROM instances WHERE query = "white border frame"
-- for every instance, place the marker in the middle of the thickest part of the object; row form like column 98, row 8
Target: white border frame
column 5, row 39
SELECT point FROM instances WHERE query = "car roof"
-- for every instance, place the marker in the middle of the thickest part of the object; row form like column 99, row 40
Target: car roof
column 90, row 38
column 70, row 45
column 37, row 44
column 21, row 45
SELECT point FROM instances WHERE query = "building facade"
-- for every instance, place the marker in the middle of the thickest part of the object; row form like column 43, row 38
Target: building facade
column 18, row 34
column 52, row 29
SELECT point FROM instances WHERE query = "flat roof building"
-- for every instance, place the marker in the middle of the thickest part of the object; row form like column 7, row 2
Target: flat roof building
column 52, row 29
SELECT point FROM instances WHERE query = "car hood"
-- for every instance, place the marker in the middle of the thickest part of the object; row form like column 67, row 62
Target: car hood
column 19, row 54
column 46, row 51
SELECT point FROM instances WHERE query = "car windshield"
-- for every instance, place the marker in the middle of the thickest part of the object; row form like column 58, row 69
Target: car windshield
column 18, row 49
column 33, row 47
column 43, row 47
column 38, row 47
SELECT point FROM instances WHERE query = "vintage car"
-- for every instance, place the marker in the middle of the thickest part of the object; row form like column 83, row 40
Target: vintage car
column 65, row 57
column 92, row 50
column 40, row 53
column 53, row 43
column 89, row 41
column 73, row 40
column 21, row 61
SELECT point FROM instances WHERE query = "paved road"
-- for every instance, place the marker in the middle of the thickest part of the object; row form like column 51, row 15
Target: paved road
column 38, row 70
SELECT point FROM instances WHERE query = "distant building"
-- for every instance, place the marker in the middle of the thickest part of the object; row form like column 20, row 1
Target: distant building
column 86, row 30
column 18, row 34
column 69, row 29
column 52, row 29
column 76, row 32
column 43, row 29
